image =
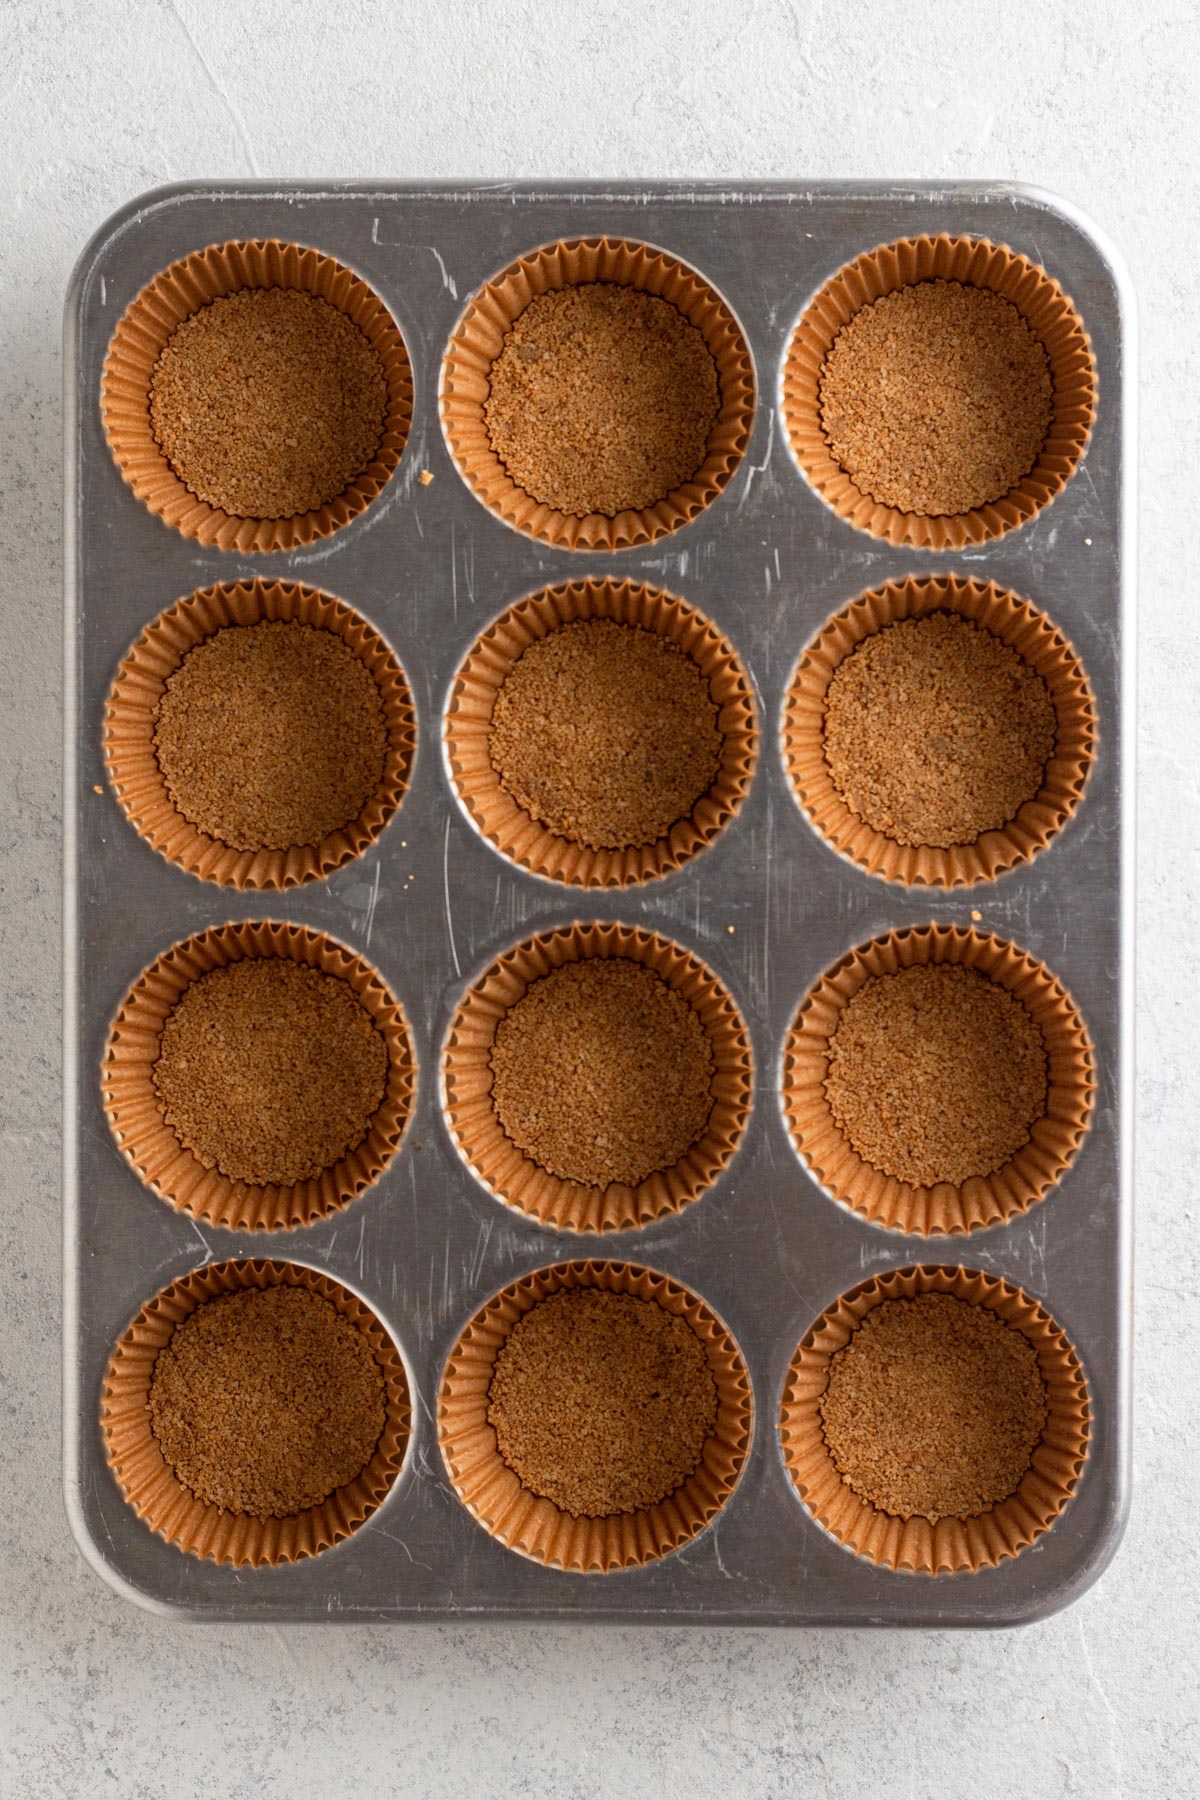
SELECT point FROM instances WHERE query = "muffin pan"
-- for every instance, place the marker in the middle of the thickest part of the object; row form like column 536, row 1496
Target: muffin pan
column 429, row 899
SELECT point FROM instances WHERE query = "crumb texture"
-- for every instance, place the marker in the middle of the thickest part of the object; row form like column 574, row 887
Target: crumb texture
column 937, row 731
column 602, row 1402
column 602, row 1073
column 267, row 1401
column 271, row 736
column 270, row 1071
column 268, row 403
column 936, row 1074
column 602, row 399
column 934, row 1408
column 606, row 734
column 937, row 398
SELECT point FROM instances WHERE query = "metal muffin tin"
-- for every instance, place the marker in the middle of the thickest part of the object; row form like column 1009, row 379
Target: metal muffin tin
column 768, row 907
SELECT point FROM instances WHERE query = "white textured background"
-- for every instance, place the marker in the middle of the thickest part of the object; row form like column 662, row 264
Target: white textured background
column 100, row 99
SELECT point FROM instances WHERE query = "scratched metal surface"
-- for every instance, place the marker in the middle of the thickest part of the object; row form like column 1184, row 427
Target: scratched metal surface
column 768, row 907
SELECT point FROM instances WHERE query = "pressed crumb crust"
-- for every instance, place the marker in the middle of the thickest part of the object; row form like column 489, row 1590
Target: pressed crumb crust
column 937, row 731
column 936, row 1074
column 602, row 399
column 934, row 1408
column 270, row 1071
column 271, row 736
column 268, row 403
column 606, row 734
column 602, row 1402
column 936, row 398
column 266, row 1401
column 602, row 1072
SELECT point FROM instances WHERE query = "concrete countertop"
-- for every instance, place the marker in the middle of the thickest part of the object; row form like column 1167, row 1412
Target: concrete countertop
column 100, row 101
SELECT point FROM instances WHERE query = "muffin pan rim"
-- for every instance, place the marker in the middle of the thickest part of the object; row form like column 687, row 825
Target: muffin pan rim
column 806, row 206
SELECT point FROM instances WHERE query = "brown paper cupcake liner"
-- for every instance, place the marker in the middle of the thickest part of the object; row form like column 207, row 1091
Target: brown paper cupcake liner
column 151, row 1486
column 944, row 1209
column 477, row 342
column 536, row 1527
column 1017, row 623
column 163, row 1162
column 151, row 319
column 976, row 263
column 948, row 1545
column 130, row 721
column 469, row 721
column 514, row 1177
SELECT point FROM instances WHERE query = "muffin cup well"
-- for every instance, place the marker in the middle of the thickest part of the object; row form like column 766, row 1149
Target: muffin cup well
column 536, row 1527
column 514, row 1177
column 151, row 1486
column 130, row 722
column 975, row 262
column 491, row 660
column 918, row 1544
column 1015, row 622
column 479, row 337
column 150, row 320
column 982, row 1200
column 158, row 1156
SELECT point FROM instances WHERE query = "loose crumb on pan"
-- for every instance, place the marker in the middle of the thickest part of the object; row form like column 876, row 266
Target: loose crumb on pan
column 271, row 736
column 937, row 731
column 602, row 399
column 936, row 1074
column 602, row 1402
column 266, row 1401
column 606, row 734
column 268, row 403
column 270, row 1071
column 602, row 1072
column 934, row 1408
column 936, row 398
